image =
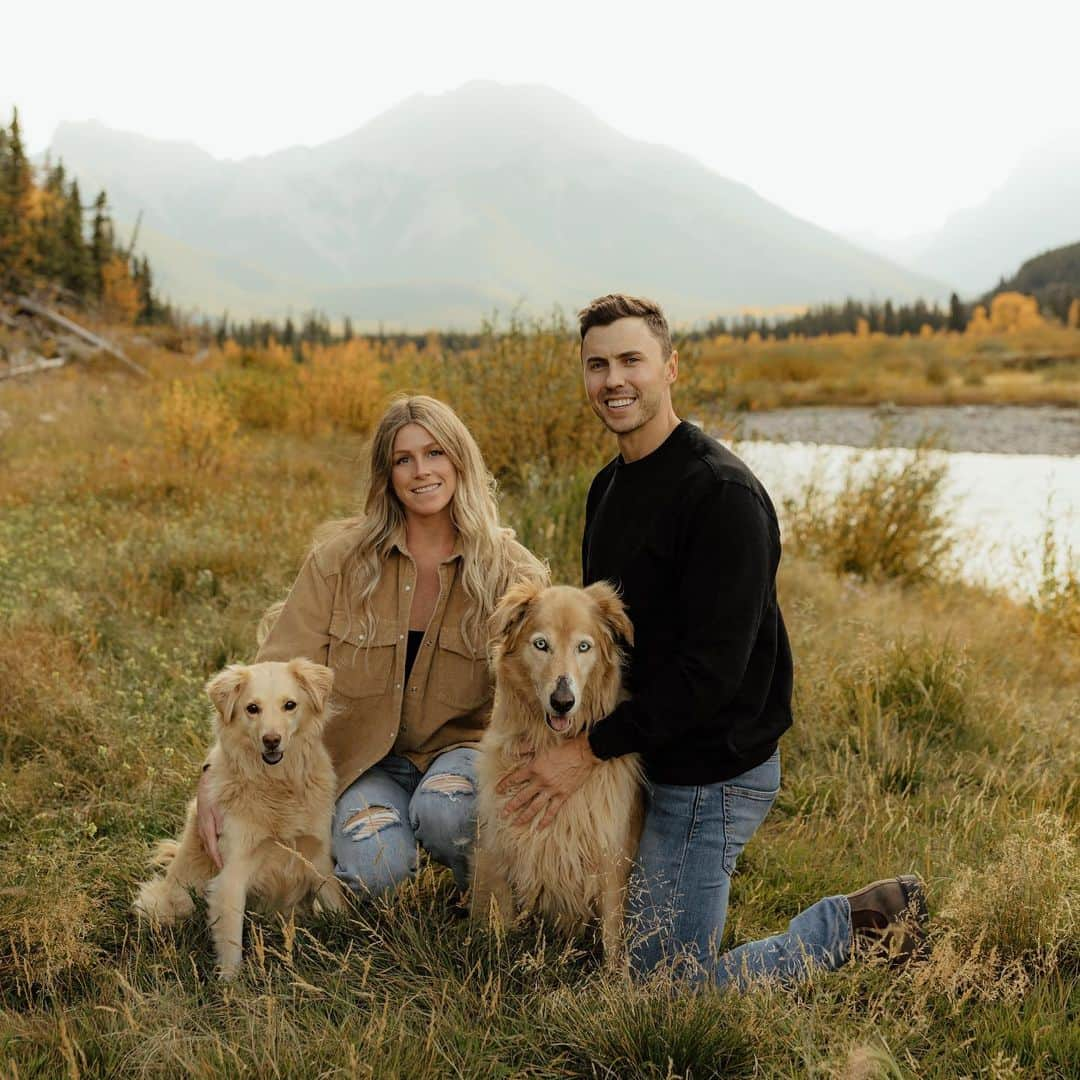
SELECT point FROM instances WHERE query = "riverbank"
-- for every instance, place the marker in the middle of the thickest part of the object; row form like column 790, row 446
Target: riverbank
column 996, row 429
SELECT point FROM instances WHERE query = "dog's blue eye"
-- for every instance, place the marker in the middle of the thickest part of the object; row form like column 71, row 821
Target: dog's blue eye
column 583, row 646
column 252, row 709
column 289, row 706
column 541, row 644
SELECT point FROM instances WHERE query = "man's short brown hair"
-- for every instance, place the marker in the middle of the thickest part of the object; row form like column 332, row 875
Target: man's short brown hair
column 605, row 310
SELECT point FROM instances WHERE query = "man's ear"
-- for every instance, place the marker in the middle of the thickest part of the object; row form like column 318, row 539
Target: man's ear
column 612, row 612
column 509, row 616
column 225, row 687
column 673, row 366
column 315, row 680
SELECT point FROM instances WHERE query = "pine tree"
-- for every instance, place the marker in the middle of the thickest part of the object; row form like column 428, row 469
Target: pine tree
column 16, row 208
column 78, row 269
column 101, row 241
column 957, row 315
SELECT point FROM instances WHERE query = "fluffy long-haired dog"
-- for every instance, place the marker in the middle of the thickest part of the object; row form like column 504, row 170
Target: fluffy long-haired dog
column 272, row 778
column 557, row 672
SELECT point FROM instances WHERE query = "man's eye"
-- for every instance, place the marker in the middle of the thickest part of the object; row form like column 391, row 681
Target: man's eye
column 252, row 709
column 583, row 646
column 541, row 644
column 289, row 706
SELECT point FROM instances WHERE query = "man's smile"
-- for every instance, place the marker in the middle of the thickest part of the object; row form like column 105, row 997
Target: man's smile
column 619, row 402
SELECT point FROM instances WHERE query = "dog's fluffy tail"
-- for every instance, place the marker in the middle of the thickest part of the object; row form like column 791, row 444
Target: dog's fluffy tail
column 164, row 853
column 162, row 902
column 266, row 623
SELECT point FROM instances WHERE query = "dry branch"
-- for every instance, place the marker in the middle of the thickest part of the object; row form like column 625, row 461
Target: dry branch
column 26, row 304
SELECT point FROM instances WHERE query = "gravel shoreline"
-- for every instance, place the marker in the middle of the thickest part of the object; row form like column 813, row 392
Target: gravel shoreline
column 994, row 429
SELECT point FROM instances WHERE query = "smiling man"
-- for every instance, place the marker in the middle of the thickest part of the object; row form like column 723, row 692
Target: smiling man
column 689, row 536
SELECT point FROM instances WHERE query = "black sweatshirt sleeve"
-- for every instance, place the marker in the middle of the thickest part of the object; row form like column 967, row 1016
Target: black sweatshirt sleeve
column 730, row 553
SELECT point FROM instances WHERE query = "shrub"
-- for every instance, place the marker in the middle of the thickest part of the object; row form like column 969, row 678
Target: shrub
column 521, row 395
column 884, row 523
column 1057, row 601
column 547, row 510
column 1014, row 918
column 196, row 426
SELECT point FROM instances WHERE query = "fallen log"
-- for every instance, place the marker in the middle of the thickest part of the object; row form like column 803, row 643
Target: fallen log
column 41, row 363
column 24, row 303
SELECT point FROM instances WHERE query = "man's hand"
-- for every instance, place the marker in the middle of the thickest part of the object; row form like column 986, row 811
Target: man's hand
column 208, row 819
column 549, row 780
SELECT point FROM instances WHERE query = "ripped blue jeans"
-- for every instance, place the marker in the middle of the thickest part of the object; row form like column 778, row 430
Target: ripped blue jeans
column 393, row 807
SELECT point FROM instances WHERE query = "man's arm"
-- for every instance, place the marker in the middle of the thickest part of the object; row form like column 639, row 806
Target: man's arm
column 728, row 564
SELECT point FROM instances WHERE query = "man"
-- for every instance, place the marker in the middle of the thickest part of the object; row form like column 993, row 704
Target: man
column 689, row 536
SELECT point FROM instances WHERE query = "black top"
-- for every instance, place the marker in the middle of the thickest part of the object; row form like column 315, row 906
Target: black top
column 412, row 647
column 689, row 537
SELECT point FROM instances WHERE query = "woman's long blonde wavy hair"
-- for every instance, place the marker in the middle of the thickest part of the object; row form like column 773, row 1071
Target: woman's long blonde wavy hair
column 490, row 564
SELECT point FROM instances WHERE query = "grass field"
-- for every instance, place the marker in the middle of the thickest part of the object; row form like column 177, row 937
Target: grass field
column 144, row 527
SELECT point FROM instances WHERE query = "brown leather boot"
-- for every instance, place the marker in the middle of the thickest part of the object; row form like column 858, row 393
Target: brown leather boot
column 888, row 919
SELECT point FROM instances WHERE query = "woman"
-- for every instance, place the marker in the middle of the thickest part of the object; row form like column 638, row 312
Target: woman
column 396, row 601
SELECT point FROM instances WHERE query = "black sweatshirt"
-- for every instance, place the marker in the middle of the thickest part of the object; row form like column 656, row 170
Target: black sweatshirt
column 689, row 537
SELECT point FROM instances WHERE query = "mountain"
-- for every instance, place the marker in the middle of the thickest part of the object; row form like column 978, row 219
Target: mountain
column 1038, row 207
column 1053, row 278
column 447, row 207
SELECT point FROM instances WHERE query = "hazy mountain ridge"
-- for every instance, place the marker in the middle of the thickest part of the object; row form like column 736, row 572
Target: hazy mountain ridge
column 1037, row 208
column 446, row 207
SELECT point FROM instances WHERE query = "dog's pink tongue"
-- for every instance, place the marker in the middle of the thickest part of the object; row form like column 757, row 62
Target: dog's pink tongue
column 559, row 723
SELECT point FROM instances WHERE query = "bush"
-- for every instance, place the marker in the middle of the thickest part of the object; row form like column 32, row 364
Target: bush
column 1057, row 602
column 1015, row 918
column 196, row 427
column 885, row 523
column 521, row 395
column 548, row 513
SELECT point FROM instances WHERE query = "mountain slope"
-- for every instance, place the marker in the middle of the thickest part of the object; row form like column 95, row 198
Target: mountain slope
column 448, row 206
column 1037, row 208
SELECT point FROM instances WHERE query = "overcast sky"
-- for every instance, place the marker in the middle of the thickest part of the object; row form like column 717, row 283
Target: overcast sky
column 861, row 116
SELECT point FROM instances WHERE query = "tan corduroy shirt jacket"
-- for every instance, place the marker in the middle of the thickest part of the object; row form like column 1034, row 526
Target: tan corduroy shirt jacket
column 447, row 700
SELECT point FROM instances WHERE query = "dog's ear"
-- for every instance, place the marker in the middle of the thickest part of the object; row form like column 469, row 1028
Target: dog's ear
column 314, row 679
column 510, row 613
column 224, row 688
column 612, row 611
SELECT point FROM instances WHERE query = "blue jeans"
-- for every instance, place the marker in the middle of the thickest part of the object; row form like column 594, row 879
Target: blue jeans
column 383, row 815
column 678, row 895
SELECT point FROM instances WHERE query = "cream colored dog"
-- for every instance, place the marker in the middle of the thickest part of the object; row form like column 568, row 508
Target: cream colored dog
column 558, row 671
column 273, row 781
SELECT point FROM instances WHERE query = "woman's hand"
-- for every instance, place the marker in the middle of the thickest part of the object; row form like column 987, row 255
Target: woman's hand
column 549, row 780
column 208, row 820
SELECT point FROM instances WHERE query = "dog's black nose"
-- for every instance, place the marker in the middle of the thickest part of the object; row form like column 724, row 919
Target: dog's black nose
column 562, row 701
column 271, row 742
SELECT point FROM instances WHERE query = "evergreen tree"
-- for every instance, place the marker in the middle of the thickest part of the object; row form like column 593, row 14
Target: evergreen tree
column 101, row 241
column 16, row 205
column 957, row 315
column 78, row 272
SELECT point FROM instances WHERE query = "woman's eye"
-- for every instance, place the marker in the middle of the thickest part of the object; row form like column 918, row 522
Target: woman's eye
column 437, row 453
column 541, row 644
column 252, row 709
column 289, row 706
column 583, row 646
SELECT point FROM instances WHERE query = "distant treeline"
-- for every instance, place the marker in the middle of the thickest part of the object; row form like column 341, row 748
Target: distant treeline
column 315, row 328
column 846, row 318
column 45, row 239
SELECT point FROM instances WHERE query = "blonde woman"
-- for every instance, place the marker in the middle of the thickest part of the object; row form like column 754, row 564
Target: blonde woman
column 396, row 601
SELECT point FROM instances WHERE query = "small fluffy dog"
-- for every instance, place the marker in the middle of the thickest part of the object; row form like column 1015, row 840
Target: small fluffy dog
column 273, row 780
column 557, row 668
